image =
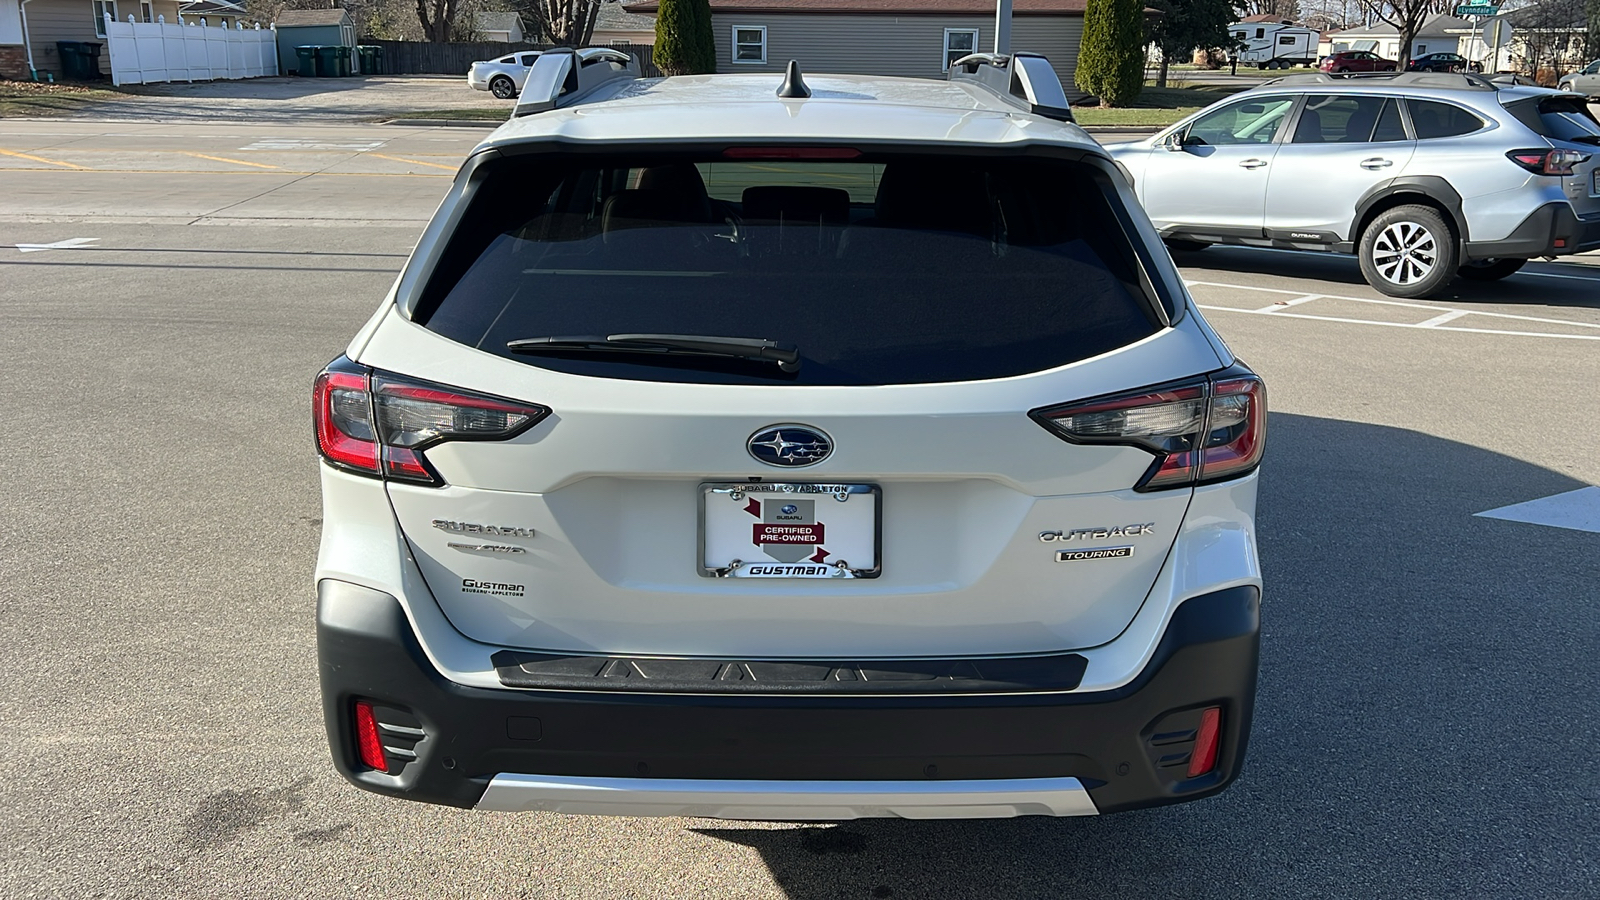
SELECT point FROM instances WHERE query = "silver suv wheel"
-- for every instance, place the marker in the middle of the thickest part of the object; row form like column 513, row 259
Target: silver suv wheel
column 1408, row 251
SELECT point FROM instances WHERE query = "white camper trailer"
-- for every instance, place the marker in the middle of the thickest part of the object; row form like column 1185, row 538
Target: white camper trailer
column 1270, row 45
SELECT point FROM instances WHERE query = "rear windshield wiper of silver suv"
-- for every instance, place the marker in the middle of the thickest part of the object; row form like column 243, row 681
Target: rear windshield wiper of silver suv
column 785, row 355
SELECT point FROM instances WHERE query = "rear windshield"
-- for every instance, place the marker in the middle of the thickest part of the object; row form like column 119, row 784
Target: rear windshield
column 1559, row 118
column 876, row 269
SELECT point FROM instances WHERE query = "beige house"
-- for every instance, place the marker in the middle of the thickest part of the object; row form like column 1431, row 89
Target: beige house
column 913, row 38
column 502, row 27
column 615, row 25
column 47, row 21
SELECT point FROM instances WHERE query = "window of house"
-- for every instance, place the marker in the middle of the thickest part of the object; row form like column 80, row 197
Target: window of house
column 147, row 14
column 750, row 44
column 102, row 8
column 959, row 42
column 1422, row 50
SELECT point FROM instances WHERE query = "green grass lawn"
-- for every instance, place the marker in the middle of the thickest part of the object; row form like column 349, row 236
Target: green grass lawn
column 33, row 98
column 1157, row 106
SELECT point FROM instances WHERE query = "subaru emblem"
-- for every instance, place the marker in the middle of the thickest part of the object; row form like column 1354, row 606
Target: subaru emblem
column 790, row 446
column 790, row 509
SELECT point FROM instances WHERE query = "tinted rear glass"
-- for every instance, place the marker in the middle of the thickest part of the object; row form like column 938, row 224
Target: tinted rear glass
column 1441, row 120
column 1559, row 118
column 879, row 270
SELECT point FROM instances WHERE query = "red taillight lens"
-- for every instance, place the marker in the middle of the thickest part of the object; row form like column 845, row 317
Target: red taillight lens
column 342, row 415
column 1206, row 430
column 1206, row 742
column 362, row 419
column 368, row 744
column 1547, row 162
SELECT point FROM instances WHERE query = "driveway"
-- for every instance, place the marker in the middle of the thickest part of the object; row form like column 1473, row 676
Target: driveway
column 291, row 99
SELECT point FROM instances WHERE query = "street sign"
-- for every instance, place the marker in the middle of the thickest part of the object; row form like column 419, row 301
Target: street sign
column 1496, row 33
column 1477, row 9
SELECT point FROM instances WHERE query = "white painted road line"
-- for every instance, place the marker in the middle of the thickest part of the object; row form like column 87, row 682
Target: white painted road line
column 1285, row 304
column 1577, row 510
column 1348, row 321
column 68, row 244
column 1442, row 318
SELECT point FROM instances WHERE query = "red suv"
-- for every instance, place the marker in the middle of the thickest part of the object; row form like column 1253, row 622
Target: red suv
column 1357, row 61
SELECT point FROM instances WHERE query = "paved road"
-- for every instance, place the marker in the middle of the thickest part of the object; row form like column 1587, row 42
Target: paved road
column 293, row 100
column 1427, row 718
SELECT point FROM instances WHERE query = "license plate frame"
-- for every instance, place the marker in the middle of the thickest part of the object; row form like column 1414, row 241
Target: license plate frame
column 798, row 570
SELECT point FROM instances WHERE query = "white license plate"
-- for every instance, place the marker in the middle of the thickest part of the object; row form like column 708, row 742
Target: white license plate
column 790, row 530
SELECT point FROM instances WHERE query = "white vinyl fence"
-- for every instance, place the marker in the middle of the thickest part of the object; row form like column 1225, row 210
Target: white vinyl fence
column 148, row 52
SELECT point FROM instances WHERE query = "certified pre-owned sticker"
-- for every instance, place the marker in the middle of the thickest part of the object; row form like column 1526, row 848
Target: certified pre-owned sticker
column 497, row 588
column 1096, row 553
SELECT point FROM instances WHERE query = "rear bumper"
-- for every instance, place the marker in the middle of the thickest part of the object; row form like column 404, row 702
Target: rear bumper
column 1551, row 230
column 784, row 756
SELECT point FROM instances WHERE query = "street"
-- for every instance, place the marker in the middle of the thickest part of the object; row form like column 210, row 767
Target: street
column 1427, row 715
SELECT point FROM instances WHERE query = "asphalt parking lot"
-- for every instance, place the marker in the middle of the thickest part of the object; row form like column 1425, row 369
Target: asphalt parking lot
column 1427, row 718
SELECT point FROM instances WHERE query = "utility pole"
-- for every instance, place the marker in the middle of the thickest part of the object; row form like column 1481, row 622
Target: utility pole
column 1002, row 27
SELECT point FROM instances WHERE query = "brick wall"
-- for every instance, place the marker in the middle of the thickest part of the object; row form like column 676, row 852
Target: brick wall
column 13, row 62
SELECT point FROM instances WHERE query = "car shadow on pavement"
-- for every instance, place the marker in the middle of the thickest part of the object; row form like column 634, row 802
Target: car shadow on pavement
column 1580, row 288
column 1425, row 724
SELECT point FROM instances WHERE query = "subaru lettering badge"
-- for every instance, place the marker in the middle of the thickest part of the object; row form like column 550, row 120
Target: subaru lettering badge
column 790, row 446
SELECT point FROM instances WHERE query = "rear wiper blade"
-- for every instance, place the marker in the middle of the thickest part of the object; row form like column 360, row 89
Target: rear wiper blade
column 785, row 355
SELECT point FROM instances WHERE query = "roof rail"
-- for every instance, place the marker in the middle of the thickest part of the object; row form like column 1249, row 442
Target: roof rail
column 564, row 76
column 1459, row 80
column 1026, row 80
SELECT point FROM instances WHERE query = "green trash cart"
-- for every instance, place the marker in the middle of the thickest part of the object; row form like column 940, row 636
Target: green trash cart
column 307, row 54
column 327, row 61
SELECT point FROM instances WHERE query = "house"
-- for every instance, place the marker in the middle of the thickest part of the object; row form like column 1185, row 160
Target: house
column 615, row 25
column 45, row 22
column 1545, row 38
column 300, row 27
column 1440, row 33
column 215, row 13
column 913, row 38
column 504, row 27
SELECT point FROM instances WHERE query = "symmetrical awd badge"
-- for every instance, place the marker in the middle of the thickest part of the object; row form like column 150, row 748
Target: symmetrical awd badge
column 790, row 446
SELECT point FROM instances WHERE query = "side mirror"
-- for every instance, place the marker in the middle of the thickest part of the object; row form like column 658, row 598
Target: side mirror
column 1173, row 142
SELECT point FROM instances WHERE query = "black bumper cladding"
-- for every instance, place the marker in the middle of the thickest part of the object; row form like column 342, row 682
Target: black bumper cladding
column 1130, row 746
column 1551, row 230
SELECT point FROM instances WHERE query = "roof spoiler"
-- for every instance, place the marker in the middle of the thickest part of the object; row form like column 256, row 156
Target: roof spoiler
column 1026, row 80
column 564, row 76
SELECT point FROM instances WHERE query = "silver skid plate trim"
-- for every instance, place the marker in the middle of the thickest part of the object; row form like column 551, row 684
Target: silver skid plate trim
column 788, row 800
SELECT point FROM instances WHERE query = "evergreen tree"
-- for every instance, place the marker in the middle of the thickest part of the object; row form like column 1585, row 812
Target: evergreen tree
column 684, row 42
column 1111, row 61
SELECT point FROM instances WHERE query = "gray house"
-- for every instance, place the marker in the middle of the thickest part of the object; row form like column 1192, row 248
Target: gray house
column 913, row 38
column 298, row 27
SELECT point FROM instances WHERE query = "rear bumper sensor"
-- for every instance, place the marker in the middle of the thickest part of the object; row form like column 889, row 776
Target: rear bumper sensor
column 789, row 800
column 562, row 749
column 1061, row 672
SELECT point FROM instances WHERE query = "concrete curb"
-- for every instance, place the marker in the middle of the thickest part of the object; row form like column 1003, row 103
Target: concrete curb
column 1122, row 129
column 443, row 123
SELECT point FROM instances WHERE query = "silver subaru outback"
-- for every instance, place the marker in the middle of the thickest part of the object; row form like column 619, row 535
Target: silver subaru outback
column 1424, row 175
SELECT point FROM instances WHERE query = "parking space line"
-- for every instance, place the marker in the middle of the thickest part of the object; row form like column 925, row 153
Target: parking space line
column 1427, row 306
column 414, row 162
column 227, row 160
column 53, row 162
column 1285, row 304
column 1442, row 318
column 1347, row 321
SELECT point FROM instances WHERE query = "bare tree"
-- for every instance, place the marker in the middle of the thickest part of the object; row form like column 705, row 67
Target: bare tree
column 1552, row 37
column 565, row 23
column 438, row 18
column 1407, row 17
column 1289, row 9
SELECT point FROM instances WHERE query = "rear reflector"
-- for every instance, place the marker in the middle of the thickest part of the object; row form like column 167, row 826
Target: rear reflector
column 363, row 418
column 1200, row 431
column 368, row 745
column 1204, row 758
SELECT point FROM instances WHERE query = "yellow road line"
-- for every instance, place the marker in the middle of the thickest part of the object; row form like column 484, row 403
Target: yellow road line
column 415, row 162
column 53, row 162
column 227, row 160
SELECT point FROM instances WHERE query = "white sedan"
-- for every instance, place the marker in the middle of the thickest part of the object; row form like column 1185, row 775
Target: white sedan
column 502, row 77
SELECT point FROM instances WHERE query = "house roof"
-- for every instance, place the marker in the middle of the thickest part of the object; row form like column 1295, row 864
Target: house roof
column 881, row 7
column 1268, row 19
column 296, row 17
column 1436, row 25
column 496, row 21
column 1549, row 16
column 211, row 7
column 613, row 17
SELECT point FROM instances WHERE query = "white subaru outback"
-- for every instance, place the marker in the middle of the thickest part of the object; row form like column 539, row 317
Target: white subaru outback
column 766, row 450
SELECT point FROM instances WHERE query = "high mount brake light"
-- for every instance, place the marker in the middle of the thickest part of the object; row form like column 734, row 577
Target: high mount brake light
column 375, row 423
column 1200, row 431
column 791, row 153
column 1547, row 162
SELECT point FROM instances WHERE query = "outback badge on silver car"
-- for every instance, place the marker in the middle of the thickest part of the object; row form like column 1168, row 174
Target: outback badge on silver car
column 791, row 446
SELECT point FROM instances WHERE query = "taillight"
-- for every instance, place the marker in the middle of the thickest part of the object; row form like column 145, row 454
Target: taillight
column 1547, row 162
column 1206, row 741
column 368, row 744
column 377, row 423
column 1200, row 431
